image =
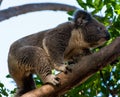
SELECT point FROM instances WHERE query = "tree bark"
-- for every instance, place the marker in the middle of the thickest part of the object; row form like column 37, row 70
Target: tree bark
column 18, row 10
column 86, row 67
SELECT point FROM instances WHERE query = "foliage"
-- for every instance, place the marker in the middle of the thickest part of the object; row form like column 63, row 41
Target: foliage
column 3, row 90
column 106, row 82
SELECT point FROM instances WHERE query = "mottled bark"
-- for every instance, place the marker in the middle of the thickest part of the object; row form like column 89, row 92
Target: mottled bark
column 86, row 67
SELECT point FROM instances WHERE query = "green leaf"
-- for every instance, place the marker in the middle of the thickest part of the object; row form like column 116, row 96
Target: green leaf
column 8, row 76
column 82, row 4
column 1, row 85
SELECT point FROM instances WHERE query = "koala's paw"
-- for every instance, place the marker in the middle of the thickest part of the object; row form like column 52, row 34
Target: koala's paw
column 64, row 68
column 52, row 79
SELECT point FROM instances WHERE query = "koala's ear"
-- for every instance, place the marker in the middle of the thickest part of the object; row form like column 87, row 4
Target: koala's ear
column 81, row 18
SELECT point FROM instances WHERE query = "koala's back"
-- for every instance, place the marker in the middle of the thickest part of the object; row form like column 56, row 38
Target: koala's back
column 37, row 38
column 30, row 40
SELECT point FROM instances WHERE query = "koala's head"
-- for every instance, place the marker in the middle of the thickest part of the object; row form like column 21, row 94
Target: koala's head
column 93, row 32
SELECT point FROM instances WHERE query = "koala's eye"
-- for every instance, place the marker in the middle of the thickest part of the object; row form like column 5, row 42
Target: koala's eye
column 99, row 28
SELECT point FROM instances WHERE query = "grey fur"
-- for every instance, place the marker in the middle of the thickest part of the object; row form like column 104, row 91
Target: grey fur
column 41, row 52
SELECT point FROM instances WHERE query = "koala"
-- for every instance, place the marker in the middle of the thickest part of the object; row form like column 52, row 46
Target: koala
column 41, row 52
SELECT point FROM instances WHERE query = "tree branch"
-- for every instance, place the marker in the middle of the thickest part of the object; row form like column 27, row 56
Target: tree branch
column 18, row 10
column 1, row 2
column 86, row 67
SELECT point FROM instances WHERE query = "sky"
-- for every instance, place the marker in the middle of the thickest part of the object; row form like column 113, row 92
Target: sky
column 22, row 25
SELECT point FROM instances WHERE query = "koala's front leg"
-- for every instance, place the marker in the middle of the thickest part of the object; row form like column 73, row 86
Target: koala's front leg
column 58, row 63
column 78, row 55
column 56, row 50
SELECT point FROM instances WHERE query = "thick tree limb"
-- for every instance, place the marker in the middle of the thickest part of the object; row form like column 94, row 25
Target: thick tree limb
column 86, row 67
column 18, row 10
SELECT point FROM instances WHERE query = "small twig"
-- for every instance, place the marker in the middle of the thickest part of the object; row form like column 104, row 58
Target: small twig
column 1, row 2
column 104, row 81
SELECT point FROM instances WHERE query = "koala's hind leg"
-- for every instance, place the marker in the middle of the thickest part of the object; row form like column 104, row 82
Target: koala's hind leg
column 27, row 84
column 23, row 80
column 26, row 61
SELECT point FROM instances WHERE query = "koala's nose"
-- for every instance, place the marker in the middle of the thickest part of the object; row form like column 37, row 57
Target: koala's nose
column 107, row 35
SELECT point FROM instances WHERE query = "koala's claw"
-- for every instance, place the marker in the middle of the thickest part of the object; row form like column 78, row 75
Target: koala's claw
column 57, row 78
column 68, row 69
column 64, row 68
column 52, row 79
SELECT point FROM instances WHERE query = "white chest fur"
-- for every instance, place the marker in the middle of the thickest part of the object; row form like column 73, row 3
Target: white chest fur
column 76, row 43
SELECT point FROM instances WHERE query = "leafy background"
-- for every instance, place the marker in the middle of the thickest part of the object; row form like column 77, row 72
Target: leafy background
column 105, row 83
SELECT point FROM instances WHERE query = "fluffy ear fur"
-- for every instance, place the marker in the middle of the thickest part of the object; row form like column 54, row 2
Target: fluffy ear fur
column 81, row 18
